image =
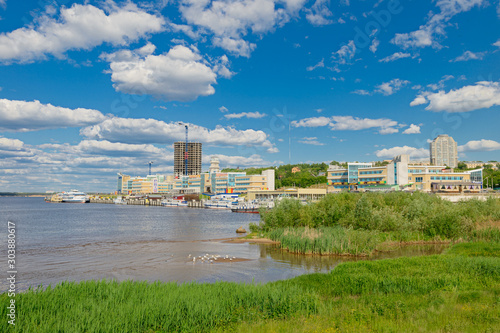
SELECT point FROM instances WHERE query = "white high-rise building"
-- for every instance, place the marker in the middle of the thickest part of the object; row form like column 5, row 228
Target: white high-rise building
column 443, row 151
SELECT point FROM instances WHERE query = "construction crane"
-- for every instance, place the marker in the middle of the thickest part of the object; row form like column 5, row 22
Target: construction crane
column 150, row 162
column 185, row 151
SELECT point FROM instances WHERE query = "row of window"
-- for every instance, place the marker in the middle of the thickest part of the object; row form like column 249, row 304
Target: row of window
column 378, row 179
column 375, row 172
column 446, row 178
column 339, row 173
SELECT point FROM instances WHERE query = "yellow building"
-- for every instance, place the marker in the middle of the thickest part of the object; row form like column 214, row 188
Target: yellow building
column 360, row 177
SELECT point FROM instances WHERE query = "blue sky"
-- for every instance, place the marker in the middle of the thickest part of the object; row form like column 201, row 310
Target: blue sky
column 90, row 88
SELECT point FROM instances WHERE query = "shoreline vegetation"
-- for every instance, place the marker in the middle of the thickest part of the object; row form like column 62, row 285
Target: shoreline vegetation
column 456, row 291
column 353, row 224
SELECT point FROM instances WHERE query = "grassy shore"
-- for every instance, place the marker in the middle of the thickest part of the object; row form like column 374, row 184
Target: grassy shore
column 357, row 224
column 454, row 292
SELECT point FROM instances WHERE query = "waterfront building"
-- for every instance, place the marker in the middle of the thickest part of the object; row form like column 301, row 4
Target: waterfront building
column 194, row 155
column 344, row 178
column 401, row 174
column 216, row 183
column 443, row 151
column 475, row 164
column 122, row 179
column 305, row 194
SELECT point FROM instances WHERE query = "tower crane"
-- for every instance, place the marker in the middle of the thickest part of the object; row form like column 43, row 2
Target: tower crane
column 185, row 150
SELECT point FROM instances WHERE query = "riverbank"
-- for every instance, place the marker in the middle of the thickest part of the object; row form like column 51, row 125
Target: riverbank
column 455, row 291
column 360, row 224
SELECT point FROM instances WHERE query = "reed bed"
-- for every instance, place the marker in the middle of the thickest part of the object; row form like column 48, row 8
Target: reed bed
column 354, row 223
column 109, row 306
column 326, row 240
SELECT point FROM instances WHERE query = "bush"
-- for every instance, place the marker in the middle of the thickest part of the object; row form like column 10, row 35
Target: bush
column 403, row 213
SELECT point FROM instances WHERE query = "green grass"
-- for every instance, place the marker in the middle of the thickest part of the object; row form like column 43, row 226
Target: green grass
column 107, row 306
column 326, row 240
column 455, row 292
column 479, row 249
column 354, row 223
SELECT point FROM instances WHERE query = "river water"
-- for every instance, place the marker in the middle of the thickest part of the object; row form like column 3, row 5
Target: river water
column 58, row 242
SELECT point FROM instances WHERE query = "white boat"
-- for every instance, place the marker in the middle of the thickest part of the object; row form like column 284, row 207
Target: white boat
column 174, row 203
column 119, row 201
column 74, row 196
column 220, row 204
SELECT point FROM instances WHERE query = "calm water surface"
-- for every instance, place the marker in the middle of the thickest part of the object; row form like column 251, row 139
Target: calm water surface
column 59, row 242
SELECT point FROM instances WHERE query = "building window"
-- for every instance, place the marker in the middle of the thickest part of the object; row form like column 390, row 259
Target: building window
column 419, row 179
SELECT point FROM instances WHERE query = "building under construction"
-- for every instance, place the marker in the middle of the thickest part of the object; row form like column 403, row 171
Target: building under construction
column 193, row 157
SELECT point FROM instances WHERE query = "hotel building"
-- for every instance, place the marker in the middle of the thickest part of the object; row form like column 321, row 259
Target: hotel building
column 212, row 182
column 401, row 174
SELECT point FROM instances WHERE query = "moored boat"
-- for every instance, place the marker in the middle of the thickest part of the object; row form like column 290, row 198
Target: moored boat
column 74, row 196
column 174, row 202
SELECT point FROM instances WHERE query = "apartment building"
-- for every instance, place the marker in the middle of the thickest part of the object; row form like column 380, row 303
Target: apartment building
column 443, row 151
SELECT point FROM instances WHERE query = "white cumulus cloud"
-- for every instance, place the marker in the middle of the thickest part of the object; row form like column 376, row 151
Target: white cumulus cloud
column 179, row 74
column 78, row 27
column 349, row 123
column 345, row 54
column 319, row 14
column 413, row 129
column 480, row 145
column 311, row 122
column 23, row 116
column 139, row 131
column 429, row 33
column 374, row 45
column 230, row 21
column 483, row 95
column 389, row 88
column 405, row 150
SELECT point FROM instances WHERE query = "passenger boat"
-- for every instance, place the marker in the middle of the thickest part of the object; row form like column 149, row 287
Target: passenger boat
column 219, row 204
column 174, row 203
column 74, row 196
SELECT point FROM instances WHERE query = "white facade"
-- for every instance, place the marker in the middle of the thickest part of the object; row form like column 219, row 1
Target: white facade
column 269, row 178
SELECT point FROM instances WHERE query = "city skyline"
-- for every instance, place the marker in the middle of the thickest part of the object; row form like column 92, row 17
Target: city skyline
column 92, row 88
